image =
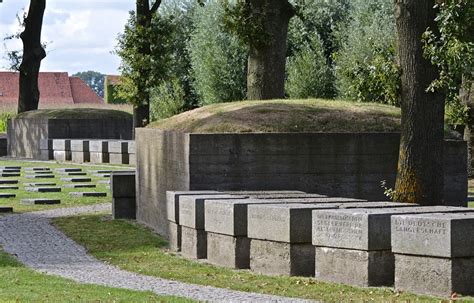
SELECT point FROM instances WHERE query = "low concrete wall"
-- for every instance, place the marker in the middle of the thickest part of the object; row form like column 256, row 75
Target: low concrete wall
column 24, row 134
column 348, row 165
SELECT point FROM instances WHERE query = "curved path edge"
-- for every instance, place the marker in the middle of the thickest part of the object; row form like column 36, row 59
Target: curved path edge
column 39, row 245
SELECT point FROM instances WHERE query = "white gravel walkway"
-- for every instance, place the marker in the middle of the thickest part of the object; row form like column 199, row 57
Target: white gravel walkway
column 39, row 245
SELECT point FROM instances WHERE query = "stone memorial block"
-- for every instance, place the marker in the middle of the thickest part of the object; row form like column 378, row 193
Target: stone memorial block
column 8, row 187
column 353, row 245
column 118, row 147
column 101, row 175
column 9, row 175
column 193, row 243
column 7, row 195
column 124, row 208
column 131, row 147
column 9, row 170
column 43, row 189
column 42, row 172
column 6, row 209
column 88, row 194
column 103, row 182
column 39, row 184
column 132, row 159
column 40, row 201
column 80, row 185
column 61, row 144
column 101, row 171
column 75, row 173
column 37, row 169
column 123, row 184
column 68, row 169
column 11, row 167
column 228, row 251
column 119, row 158
column 61, row 155
column 434, row 253
column 99, row 151
column 174, row 236
column 39, row 176
column 80, row 145
column 80, row 157
column 172, row 201
column 8, row 181
column 76, row 179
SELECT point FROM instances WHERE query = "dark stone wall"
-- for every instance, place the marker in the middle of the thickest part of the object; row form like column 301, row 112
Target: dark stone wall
column 348, row 165
column 24, row 134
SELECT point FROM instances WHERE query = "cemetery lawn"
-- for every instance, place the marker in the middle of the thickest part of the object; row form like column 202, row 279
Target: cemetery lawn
column 20, row 284
column 66, row 199
column 310, row 115
column 135, row 248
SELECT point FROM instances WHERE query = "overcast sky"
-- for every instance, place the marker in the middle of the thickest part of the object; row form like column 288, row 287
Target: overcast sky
column 81, row 33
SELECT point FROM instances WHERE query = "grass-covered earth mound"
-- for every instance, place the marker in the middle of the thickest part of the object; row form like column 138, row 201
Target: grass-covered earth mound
column 75, row 113
column 312, row 115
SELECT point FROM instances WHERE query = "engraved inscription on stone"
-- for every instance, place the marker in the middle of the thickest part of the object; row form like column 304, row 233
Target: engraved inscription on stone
column 336, row 226
column 420, row 227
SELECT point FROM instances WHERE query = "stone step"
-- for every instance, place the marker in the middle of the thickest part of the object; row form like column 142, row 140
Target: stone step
column 43, row 189
column 7, row 195
column 8, row 181
column 76, row 179
column 80, row 185
column 8, row 187
column 40, row 201
column 88, row 194
column 6, row 209
column 39, row 176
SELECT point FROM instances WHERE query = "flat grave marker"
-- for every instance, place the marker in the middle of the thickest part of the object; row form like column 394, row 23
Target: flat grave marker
column 88, row 194
column 40, row 201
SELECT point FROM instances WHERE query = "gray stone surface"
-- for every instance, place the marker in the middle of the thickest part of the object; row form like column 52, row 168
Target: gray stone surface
column 172, row 201
column 76, row 179
column 123, row 184
column 193, row 243
column 6, row 209
column 9, row 175
column 292, row 222
column 191, row 209
column 99, row 146
column 68, row 169
column 80, row 145
column 88, row 194
column 37, row 169
column 124, row 208
column 62, row 156
column 74, row 173
column 118, row 147
column 102, row 171
column 103, row 182
column 364, row 229
column 434, row 276
column 349, row 165
column 39, row 176
column 9, row 170
column 228, row 251
column 277, row 258
column 8, row 181
column 132, row 159
column 2, row 187
column 99, row 157
column 101, row 175
column 42, row 172
column 45, row 155
column 131, row 147
column 80, row 185
column 289, row 196
column 40, row 201
column 7, row 195
column 80, row 156
column 43, row 189
column 39, row 184
column 354, row 267
column 115, row 158
column 448, row 235
column 35, row 242
column 174, row 236
column 61, row 145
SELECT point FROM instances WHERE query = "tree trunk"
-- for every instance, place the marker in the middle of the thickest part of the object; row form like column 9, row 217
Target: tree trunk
column 467, row 98
column 420, row 166
column 141, row 112
column 266, row 63
column 33, row 53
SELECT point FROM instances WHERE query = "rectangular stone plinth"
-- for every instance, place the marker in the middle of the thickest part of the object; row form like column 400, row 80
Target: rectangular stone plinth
column 7, row 195
column 174, row 236
column 74, row 173
column 8, row 181
column 99, row 157
column 449, row 235
column 118, row 147
column 123, row 184
column 434, row 276
column 37, row 169
column 277, row 258
column 172, row 201
column 62, row 145
column 8, row 175
column 40, row 201
column 68, row 169
column 80, row 185
column 115, row 158
column 39, row 176
column 43, row 189
column 42, row 172
column 39, row 184
column 80, row 145
column 61, row 155
column 364, row 229
column 191, row 209
column 98, row 146
column 124, row 208
column 193, row 243
column 88, row 194
column 80, row 156
column 354, row 267
column 2, row 187
column 6, row 209
column 228, row 251
column 76, row 179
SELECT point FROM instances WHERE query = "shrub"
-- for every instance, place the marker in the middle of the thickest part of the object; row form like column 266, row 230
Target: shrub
column 218, row 60
column 168, row 99
column 366, row 66
column 4, row 119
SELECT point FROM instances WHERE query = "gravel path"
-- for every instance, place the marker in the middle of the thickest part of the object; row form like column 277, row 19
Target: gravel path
column 39, row 245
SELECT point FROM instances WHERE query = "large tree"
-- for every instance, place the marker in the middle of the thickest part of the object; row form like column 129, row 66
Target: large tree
column 420, row 165
column 33, row 53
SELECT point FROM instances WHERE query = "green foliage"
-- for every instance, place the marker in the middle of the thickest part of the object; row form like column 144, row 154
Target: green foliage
column 167, row 100
column 4, row 117
column 218, row 60
column 452, row 50
column 94, row 80
column 111, row 94
column 134, row 60
column 309, row 74
column 366, row 66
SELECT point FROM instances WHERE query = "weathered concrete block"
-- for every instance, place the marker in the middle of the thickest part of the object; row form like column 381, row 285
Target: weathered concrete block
column 123, row 184
column 292, row 222
column 7, row 175
column 118, row 147
column 7, row 195
column 60, row 155
column 448, row 235
column 61, row 145
column 77, row 179
column 6, row 209
column 172, row 201
column 40, row 172
column 3, row 187
column 191, row 209
column 68, row 169
column 88, row 194
column 40, row 201
column 131, row 147
column 99, row 157
column 277, row 258
column 434, row 276
column 46, row 144
column 46, row 154
column 39, row 184
column 228, row 251
column 99, row 146
column 132, row 159
column 80, row 156
column 80, row 145
column 174, row 236
column 363, row 229
column 8, row 181
column 354, row 267
column 74, row 173
column 79, row 185
column 37, row 169
column 39, row 176
column 115, row 158
column 124, row 208
column 43, row 189
column 193, row 243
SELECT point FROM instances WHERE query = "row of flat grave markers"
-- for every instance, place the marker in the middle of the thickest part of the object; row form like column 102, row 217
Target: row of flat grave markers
column 426, row 250
column 72, row 175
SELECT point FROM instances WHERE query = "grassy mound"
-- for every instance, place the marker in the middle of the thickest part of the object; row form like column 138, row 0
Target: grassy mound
column 75, row 113
column 312, row 115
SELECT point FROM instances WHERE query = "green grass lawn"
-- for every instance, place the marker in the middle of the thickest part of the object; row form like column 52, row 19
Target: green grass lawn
column 134, row 248
column 20, row 284
column 66, row 199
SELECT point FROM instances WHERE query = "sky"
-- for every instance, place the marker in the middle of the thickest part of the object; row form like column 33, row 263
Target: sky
column 80, row 33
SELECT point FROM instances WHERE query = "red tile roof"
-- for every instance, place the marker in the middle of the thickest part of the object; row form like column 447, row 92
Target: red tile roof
column 55, row 88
